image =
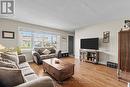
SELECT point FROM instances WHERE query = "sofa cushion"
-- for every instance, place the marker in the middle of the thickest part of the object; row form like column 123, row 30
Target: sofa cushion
column 23, row 65
column 11, row 77
column 27, row 71
column 44, row 57
column 52, row 51
column 52, row 55
column 46, row 51
column 47, row 56
column 30, row 77
column 13, row 57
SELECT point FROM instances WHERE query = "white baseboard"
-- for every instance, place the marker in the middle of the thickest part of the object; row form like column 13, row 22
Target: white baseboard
column 103, row 63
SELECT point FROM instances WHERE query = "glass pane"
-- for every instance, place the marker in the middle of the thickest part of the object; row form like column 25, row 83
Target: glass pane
column 37, row 39
column 44, row 40
column 25, row 39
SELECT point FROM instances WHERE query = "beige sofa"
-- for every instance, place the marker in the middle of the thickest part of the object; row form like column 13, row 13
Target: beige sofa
column 15, row 71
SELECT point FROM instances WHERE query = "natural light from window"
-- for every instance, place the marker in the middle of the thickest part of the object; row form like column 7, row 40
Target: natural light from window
column 28, row 40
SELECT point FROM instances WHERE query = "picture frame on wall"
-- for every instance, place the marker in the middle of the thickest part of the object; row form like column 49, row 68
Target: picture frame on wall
column 8, row 34
column 106, row 37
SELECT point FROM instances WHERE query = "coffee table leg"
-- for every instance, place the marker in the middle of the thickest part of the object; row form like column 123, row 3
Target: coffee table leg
column 44, row 70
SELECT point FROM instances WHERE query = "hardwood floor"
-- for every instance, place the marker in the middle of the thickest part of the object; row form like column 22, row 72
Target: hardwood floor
column 86, row 75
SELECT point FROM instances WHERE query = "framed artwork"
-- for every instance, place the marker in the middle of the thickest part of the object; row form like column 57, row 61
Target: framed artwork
column 106, row 36
column 8, row 34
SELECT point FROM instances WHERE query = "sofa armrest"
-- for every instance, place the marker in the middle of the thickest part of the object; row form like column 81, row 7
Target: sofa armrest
column 40, row 82
column 22, row 58
column 58, row 54
column 36, row 57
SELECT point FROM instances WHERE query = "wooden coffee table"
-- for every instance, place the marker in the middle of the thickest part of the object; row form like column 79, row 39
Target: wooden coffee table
column 60, row 71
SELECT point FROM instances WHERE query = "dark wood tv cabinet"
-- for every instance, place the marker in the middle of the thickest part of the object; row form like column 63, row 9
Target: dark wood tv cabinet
column 91, row 56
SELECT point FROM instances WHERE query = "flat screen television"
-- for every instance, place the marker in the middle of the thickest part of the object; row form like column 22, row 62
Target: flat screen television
column 90, row 43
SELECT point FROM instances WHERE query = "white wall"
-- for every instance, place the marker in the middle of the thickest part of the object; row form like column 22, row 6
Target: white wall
column 109, row 51
column 11, row 25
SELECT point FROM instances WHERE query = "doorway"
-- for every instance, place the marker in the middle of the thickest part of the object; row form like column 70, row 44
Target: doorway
column 71, row 45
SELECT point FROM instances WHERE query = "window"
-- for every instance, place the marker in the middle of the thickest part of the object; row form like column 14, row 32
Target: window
column 25, row 39
column 38, row 40
column 44, row 40
column 31, row 40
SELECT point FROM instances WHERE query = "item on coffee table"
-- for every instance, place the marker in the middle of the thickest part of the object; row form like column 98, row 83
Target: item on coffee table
column 57, row 61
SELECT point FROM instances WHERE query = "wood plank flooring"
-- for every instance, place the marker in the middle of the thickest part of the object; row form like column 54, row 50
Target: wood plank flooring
column 86, row 75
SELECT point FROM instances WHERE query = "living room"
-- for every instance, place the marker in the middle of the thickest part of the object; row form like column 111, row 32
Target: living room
column 64, row 43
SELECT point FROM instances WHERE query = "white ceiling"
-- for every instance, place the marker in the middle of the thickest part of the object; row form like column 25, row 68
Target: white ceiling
column 70, row 14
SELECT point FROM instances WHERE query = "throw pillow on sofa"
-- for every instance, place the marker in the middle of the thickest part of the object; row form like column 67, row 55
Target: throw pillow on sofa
column 6, row 60
column 7, row 64
column 12, row 53
column 46, row 51
column 12, row 57
column 40, row 52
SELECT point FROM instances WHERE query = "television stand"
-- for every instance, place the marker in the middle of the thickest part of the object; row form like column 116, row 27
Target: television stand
column 91, row 56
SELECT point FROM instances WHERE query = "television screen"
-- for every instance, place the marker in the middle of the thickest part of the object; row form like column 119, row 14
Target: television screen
column 90, row 43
